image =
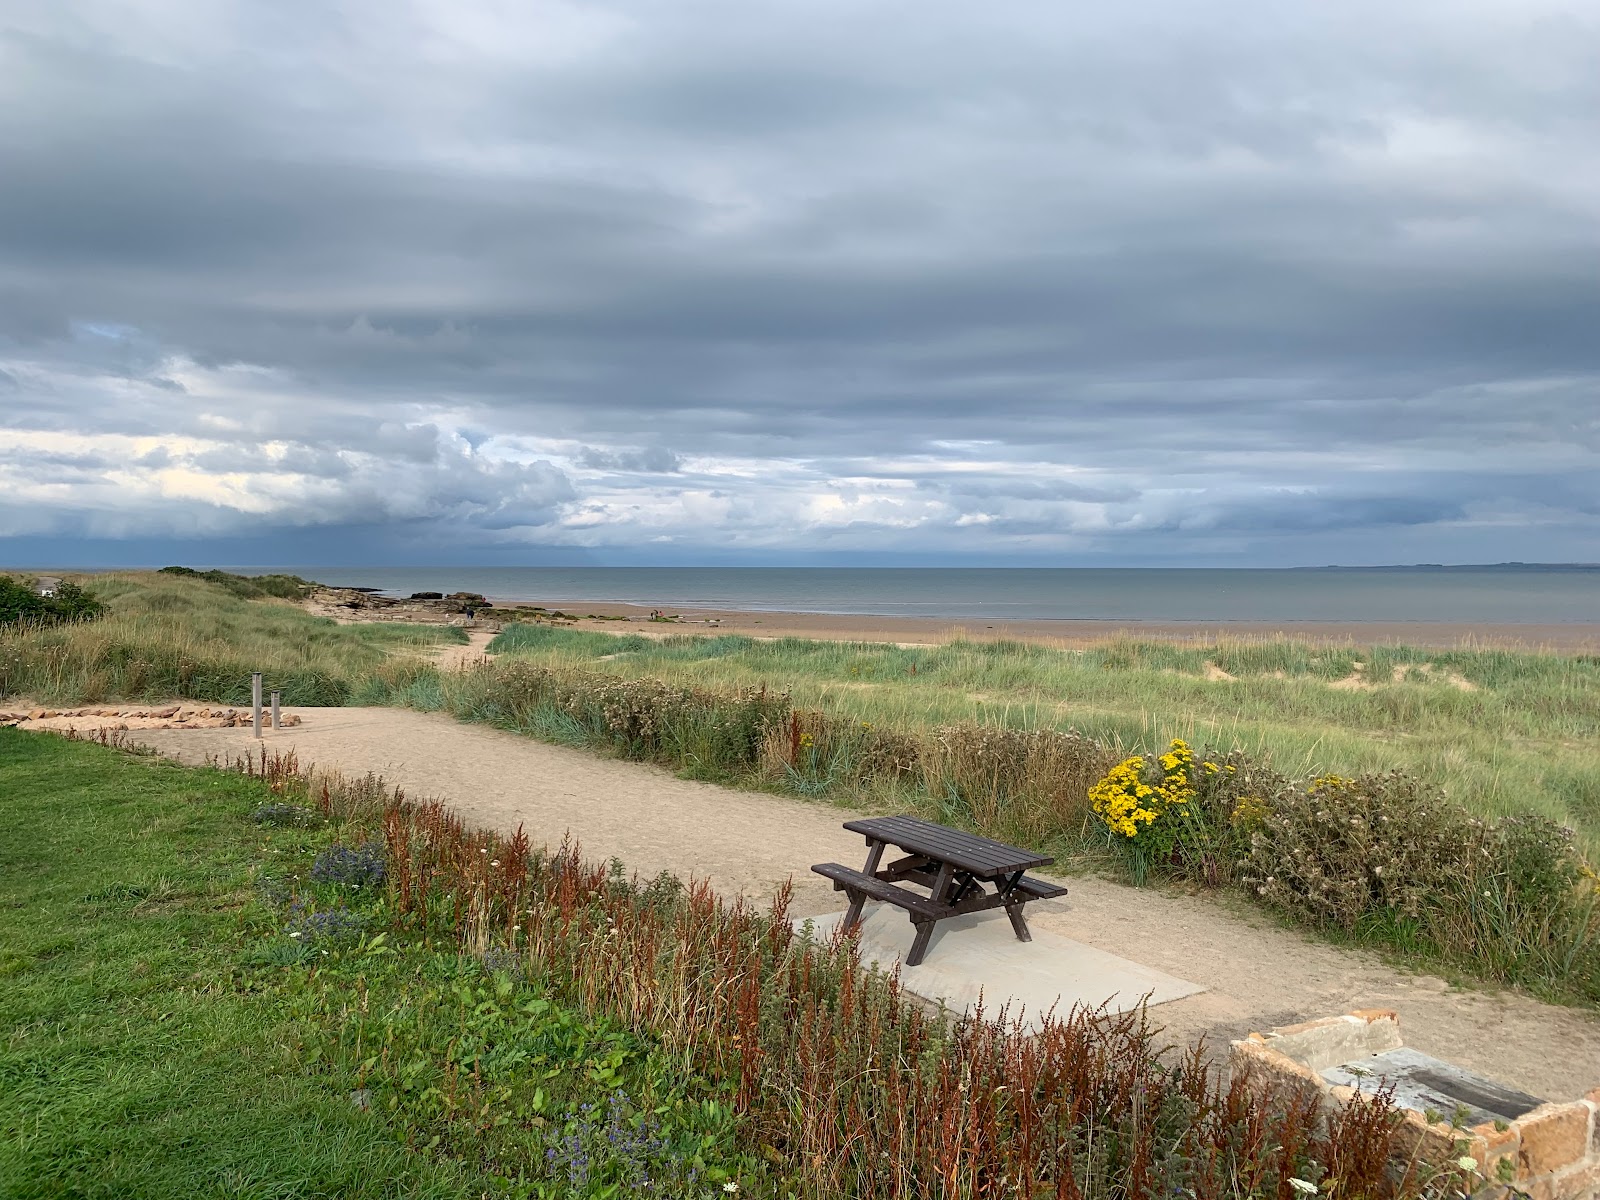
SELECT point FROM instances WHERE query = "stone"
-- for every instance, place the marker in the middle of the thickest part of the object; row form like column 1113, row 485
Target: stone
column 1581, row 1184
column 1415, row 1139
column 1490, row 1145
column 1265, row 1068
column 1578, row 1183
column 1554, row 1137
column 1335, row 1040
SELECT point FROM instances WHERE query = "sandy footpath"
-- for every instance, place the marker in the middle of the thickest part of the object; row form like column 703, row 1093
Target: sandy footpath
column 451, row 657
column 1259, row 975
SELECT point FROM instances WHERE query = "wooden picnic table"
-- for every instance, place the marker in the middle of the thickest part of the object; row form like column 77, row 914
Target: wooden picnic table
column 952, row 864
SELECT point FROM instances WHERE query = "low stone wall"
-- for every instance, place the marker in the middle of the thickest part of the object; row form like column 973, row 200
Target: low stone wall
column 1549, row 1153
column 172, row 716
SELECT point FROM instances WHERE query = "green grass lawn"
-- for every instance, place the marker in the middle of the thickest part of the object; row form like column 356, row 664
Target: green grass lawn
column 141, row 1056
column 163, row 1034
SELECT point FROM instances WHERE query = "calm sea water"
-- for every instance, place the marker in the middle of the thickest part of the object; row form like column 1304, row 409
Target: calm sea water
column 1498, row 595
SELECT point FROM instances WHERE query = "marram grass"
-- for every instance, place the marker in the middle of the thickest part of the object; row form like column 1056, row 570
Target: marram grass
column 173, row 636
column 1502, row 732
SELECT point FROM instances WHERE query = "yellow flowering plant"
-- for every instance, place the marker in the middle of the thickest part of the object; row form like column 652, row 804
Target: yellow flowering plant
column 1145, row 804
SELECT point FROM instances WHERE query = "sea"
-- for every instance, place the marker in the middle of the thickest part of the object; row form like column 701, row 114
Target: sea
column 1509, row 594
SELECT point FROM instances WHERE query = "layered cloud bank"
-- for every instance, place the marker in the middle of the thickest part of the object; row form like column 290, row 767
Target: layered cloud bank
column 1262, row 284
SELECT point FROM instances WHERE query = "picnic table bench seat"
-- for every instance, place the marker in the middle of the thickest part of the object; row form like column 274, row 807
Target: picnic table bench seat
column 1040, row 889
column 848, row 878
column 952, row 864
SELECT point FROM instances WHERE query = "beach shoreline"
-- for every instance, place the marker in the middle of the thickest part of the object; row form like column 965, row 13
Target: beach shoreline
column 1067, row 633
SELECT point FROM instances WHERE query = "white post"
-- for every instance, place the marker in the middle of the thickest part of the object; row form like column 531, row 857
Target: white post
column 275, row 722
column 255, row 700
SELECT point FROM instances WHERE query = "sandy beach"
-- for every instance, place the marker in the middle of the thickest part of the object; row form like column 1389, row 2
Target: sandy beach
column 1566, row 638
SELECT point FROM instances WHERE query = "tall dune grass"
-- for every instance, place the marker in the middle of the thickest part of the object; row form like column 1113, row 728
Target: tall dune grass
column 174, row 636
column 1503, row 732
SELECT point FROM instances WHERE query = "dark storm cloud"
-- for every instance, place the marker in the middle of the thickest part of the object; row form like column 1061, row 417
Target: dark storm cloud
column 883, row 275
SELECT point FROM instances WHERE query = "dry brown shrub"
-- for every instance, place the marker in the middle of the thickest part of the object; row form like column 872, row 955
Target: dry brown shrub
column 1031, row 784
column 813, row 751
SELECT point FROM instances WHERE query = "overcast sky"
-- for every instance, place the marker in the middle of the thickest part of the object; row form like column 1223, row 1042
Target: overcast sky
column 1251, row 283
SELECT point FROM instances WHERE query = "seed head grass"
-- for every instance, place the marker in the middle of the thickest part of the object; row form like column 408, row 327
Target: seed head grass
column 173, row 636
column 1501, row 732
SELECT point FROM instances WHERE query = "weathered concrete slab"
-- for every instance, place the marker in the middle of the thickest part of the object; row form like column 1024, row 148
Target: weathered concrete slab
column 1421, row 1083
column 979, row 955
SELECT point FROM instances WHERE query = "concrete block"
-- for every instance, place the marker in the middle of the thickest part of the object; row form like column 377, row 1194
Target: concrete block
column 977, row 956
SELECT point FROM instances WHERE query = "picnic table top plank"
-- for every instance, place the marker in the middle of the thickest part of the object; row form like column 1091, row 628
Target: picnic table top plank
column 964, row 851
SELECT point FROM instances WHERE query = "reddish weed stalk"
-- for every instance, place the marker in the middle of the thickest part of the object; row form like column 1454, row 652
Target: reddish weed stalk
column 845, row 1085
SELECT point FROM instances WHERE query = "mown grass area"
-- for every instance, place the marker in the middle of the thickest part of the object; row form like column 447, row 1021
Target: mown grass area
column 168, row 636
column 275, row 984
column 1501, row 731
column 145, row 1051
column 193, row 1003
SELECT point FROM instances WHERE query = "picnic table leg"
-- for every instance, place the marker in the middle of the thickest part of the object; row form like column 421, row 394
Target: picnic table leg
column 919, row 944
column 941, row 893
column 1019, row 923
column 858, row 900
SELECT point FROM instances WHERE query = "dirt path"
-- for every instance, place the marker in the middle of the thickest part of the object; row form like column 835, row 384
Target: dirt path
column 1259, row 975
column 450, row 656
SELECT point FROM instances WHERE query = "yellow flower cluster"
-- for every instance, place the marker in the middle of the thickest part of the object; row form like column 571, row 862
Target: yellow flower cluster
column 1251, row 812
column 1128, row 803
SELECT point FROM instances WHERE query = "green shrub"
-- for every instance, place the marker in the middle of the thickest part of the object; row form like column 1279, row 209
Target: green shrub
column 249, row 587
column 1387, row 855
column 21, row 605
column 644, row 718
column 1342, row 849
